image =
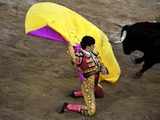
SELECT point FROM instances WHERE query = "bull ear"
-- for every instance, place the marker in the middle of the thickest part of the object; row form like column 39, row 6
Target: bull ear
column 124, row 34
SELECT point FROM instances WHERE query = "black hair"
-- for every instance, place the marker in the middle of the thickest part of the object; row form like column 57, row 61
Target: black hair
column 87, row 41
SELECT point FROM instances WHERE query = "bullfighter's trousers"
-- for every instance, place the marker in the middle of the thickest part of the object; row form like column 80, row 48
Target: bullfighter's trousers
column 87, row 88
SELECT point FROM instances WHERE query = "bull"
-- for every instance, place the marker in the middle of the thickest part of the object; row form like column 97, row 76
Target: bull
column 144, row 37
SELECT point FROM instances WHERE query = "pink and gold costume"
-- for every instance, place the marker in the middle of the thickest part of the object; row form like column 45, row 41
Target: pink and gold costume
column 89, row 65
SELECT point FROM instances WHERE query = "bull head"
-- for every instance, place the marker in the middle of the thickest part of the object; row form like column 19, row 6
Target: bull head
column 126, row 40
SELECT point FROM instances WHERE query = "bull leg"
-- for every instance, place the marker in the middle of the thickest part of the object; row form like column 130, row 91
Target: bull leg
column 146, row 66
column 138, row 60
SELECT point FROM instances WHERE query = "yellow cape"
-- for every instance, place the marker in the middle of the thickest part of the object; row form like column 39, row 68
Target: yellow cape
column 73, row 27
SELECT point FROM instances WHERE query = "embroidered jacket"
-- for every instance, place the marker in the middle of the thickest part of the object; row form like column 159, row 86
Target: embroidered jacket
column 88, row 62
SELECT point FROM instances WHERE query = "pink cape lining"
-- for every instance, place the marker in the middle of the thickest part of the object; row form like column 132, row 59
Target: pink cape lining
column 48, row 33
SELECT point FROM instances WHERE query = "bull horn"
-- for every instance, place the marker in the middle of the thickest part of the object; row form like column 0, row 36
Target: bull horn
column 124, row 34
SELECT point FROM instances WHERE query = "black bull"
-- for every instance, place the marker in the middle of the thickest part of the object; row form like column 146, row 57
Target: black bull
column 145, row 37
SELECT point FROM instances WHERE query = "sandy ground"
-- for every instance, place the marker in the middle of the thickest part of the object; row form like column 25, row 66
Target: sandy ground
column 35, row 80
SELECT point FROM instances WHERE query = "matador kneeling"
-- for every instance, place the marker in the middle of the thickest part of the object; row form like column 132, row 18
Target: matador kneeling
column 88, row 63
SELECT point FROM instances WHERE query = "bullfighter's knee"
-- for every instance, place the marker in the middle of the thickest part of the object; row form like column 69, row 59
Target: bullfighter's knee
column 92, row 110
